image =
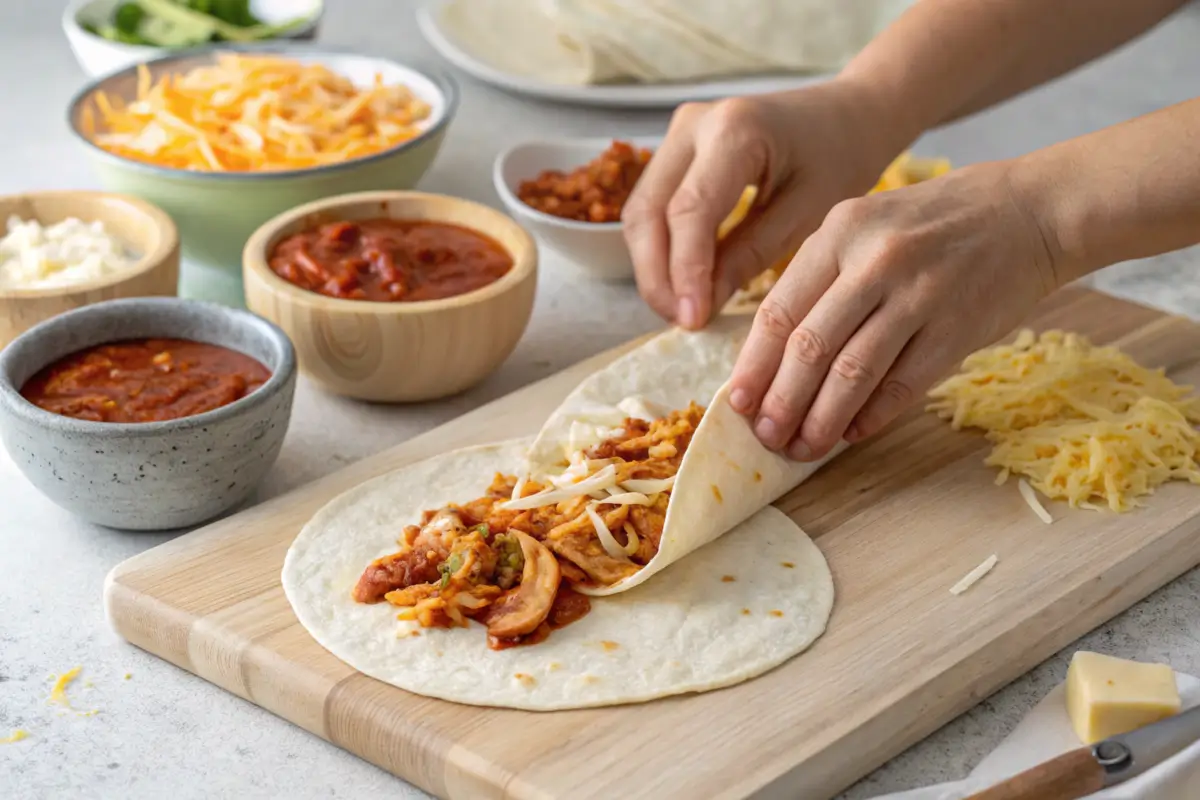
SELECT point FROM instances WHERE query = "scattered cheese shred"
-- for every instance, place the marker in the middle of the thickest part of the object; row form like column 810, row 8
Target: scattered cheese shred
column 974, row 576
column 247, row 113
column 58, row 694
column 16, row 736
column 1030, row 498
column 1081, row 423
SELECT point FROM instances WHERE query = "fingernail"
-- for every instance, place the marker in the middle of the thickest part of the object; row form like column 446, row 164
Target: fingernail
column 740, row 400
column 852, row 434
column 764, row 428
column 800, row 451
column 689, row 313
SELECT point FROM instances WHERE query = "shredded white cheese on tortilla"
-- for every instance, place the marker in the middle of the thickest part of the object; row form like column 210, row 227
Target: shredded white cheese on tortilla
column 649, row 486
column 607, row 540
column 598, row 482
column 974, row 576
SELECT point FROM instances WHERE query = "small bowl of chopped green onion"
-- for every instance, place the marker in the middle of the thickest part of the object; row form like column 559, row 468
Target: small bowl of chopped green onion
column 110, row 35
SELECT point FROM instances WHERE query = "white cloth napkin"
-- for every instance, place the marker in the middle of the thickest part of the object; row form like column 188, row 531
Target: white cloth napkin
column 1046, row 732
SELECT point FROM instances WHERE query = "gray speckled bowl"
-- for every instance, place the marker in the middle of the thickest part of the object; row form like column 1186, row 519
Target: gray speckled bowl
column 154, row 475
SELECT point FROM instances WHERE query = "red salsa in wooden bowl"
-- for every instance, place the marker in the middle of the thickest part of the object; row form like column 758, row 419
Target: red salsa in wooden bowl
column 390, row 260
column 144, row 380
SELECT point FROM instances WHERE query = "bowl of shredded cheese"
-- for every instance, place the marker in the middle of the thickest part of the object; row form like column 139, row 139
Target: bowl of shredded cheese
column 62, row 250
column 224, row 139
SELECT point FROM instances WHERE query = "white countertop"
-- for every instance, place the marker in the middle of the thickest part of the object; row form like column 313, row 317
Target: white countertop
column 166, row 733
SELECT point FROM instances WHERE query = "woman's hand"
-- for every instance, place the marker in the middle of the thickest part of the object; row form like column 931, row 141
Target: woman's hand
column 889, row 294
column 805, row 150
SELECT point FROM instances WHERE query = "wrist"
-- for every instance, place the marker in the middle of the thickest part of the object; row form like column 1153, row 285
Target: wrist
column 891, row 119
column 1036, row 189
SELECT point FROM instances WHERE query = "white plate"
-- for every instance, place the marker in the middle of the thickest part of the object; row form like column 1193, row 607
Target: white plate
column 611, row 96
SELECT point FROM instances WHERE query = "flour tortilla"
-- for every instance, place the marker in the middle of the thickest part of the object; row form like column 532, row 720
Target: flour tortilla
column 726, row 475
column 792, row 35
column 519, row 37
column 650, row 47
column 585, row 42
column 688, row 631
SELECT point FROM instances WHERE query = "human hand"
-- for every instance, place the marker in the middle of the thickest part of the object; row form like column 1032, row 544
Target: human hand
column 889, row 294
column 805, row 150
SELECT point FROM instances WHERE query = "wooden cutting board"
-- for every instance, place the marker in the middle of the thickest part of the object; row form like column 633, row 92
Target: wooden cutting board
column 900, row 520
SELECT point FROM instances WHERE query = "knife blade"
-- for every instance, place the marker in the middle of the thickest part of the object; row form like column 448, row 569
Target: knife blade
column 1080, row 772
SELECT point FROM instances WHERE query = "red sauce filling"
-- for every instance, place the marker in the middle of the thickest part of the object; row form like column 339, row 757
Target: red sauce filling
column 569, row 606
column 144, row 380
column 390, row 260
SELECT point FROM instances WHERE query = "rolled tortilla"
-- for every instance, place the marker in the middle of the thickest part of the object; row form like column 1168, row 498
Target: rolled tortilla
column 726, row 475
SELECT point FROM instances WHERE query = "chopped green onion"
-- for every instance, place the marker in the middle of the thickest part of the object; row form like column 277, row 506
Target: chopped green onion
column 448, row 567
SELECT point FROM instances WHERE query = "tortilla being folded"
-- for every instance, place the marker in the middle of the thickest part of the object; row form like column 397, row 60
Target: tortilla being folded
column 735, row 607
column 726, row 474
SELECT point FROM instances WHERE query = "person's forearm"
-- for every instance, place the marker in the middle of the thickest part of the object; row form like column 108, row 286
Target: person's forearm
column 945, row 59
column 1129, row 191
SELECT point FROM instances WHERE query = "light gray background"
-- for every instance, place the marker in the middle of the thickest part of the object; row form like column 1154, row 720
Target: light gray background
column 165, row 733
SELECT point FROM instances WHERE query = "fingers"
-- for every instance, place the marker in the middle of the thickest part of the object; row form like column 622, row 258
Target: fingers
column 779, row 314
column 763, row 239
column 922, row 362
column 644, row 217
column 728, row 158
column 812, row 349
column 853, row 377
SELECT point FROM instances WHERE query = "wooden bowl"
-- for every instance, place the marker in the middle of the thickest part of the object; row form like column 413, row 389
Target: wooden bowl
column 396, row 352
column 144, row 227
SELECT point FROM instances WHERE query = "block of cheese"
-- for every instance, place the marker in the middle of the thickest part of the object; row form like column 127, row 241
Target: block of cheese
column 1107, row 696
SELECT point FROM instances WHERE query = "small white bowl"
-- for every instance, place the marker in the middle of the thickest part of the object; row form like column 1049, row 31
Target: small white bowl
column 595, row 248
column 99, row 56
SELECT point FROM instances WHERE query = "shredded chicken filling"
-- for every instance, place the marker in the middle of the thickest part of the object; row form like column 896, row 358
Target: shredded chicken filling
column 515, row 569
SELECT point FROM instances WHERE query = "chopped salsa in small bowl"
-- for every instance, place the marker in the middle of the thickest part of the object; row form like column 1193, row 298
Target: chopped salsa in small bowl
column 390, row 260
column 144, row 380
column 594, row 192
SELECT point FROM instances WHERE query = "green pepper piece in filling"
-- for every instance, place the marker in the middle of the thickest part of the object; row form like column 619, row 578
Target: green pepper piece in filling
column 509, row 550
column 448, row 567
column 483, row 530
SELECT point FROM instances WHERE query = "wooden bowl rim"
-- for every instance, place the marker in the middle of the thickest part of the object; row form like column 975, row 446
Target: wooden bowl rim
column 155, row 258
column 254, row 257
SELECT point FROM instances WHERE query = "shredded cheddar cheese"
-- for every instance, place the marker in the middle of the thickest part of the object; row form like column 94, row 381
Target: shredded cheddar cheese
column 248, row 113
column 1083, row 424
column 58, row 694
column 18, row 735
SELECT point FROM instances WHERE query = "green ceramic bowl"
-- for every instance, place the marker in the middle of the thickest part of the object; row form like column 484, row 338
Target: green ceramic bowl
column 216, row 212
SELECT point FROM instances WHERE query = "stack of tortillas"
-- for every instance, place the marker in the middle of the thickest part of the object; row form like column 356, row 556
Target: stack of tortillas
column 581, row 42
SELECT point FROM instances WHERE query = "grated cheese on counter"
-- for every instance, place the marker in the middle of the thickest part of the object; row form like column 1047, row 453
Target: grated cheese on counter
column 1083, row 424
column 58, row 694
column 18, row 735
column 975, row 576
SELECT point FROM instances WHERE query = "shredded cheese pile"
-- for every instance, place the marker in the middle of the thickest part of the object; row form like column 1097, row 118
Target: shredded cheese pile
column 253, row 113
column 1084, row 424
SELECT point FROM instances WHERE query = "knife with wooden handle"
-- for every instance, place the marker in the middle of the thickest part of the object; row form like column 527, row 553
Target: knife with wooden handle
column 1081, row 772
